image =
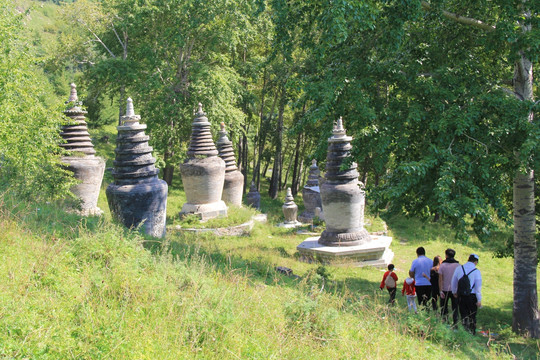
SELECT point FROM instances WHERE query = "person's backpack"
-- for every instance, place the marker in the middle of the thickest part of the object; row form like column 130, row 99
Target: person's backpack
column 464, row 284
column 390, row 282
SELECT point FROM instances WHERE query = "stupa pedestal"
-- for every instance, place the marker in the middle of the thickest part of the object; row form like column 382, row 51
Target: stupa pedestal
column 375, row 253
column 290, row 210
column 203, row 173
column 345, row 240
column 253, row 198
column 137, row 197
column 311, row 194
column 233, row 186
column 86, row 167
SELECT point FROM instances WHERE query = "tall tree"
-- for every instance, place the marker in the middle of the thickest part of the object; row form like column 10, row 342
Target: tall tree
column 525, row 305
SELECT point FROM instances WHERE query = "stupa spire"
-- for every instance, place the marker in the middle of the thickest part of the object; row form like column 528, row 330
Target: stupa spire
column 73, row 94
column 201, row 143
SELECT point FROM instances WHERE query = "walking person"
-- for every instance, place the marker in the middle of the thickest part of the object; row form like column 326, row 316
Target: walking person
column 467, row 287
column 389, row 281
column 410, row 291
column 446, row 272
column 421, row 269
column 434, row 280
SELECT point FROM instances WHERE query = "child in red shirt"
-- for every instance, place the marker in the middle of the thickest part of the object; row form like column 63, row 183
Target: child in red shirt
column 410, row 290
column 389, row 281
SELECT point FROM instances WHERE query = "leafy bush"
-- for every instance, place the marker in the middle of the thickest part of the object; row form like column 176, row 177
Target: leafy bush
column 29, row 136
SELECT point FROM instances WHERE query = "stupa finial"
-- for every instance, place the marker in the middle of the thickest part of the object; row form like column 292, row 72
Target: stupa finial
column 130, row 111
column 73, row 94
column 222, row 125
column 200, row 115
column 338, row 130
column 289, row 196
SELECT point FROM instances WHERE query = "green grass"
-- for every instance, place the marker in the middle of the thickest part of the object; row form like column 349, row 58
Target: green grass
column 206, row 296
column 87, row 288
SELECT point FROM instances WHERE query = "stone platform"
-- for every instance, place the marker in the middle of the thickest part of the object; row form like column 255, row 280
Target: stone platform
column 205, row 211
column 375, row 253
column 290, row 225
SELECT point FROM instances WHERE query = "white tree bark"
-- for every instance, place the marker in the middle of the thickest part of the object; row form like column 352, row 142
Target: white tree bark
column 525, row 319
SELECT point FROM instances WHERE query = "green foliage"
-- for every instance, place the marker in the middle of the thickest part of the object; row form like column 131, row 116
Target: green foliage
column 30, row 121
column 426, row 99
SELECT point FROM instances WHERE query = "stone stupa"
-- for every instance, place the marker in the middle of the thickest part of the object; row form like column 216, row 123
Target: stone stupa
column 81, row 159
column 233, row 186
column 345, row 240
column 311, row 194
column 253, row 197
column 137, row 197
column 203, row 173
column 290, row 211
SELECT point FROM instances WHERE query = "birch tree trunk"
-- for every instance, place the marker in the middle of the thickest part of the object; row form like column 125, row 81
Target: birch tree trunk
column 525, row 310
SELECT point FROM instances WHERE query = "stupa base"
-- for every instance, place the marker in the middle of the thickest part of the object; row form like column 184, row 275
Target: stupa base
column 89, row 171
column 205, row 211
column 290, row 225
column 141, row 205
column 375, row 253
column 306, row 217
column 86, row 212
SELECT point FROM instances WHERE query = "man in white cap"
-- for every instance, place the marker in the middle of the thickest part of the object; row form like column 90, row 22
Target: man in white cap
column 467, row 287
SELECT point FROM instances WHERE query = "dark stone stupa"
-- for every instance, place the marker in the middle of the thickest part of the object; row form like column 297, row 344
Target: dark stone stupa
column 253, row 197
column 342, row 199
column 345, row 240
column 137, row 195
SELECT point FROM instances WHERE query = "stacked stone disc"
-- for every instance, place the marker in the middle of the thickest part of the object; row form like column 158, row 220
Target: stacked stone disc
column 233, row 186
column 203, row 173
column 137, row 197
column 342, row 199
column 311, row 194
column 81, row 159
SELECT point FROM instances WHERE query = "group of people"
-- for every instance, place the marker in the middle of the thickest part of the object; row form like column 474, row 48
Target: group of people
column 435, row 282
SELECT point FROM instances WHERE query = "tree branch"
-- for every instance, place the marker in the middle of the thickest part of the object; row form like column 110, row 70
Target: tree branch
column 477, row 141
column 513, row 93
column 98, row 39
column 461, row 19
column 118, row 37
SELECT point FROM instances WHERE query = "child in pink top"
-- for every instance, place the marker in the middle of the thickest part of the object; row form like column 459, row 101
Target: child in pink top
column 409, row 289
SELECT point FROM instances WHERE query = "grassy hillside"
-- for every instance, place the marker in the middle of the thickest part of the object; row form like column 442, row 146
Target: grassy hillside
column 87, row 288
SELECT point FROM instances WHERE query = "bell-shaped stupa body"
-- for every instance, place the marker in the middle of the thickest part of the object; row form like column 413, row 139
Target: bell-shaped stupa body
column 137, row 197
column 311, row 194
column 81, row 159
column 233, row 187
column 203, row 173
column 253, row 197
column 290, row 211
column 342, row 198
